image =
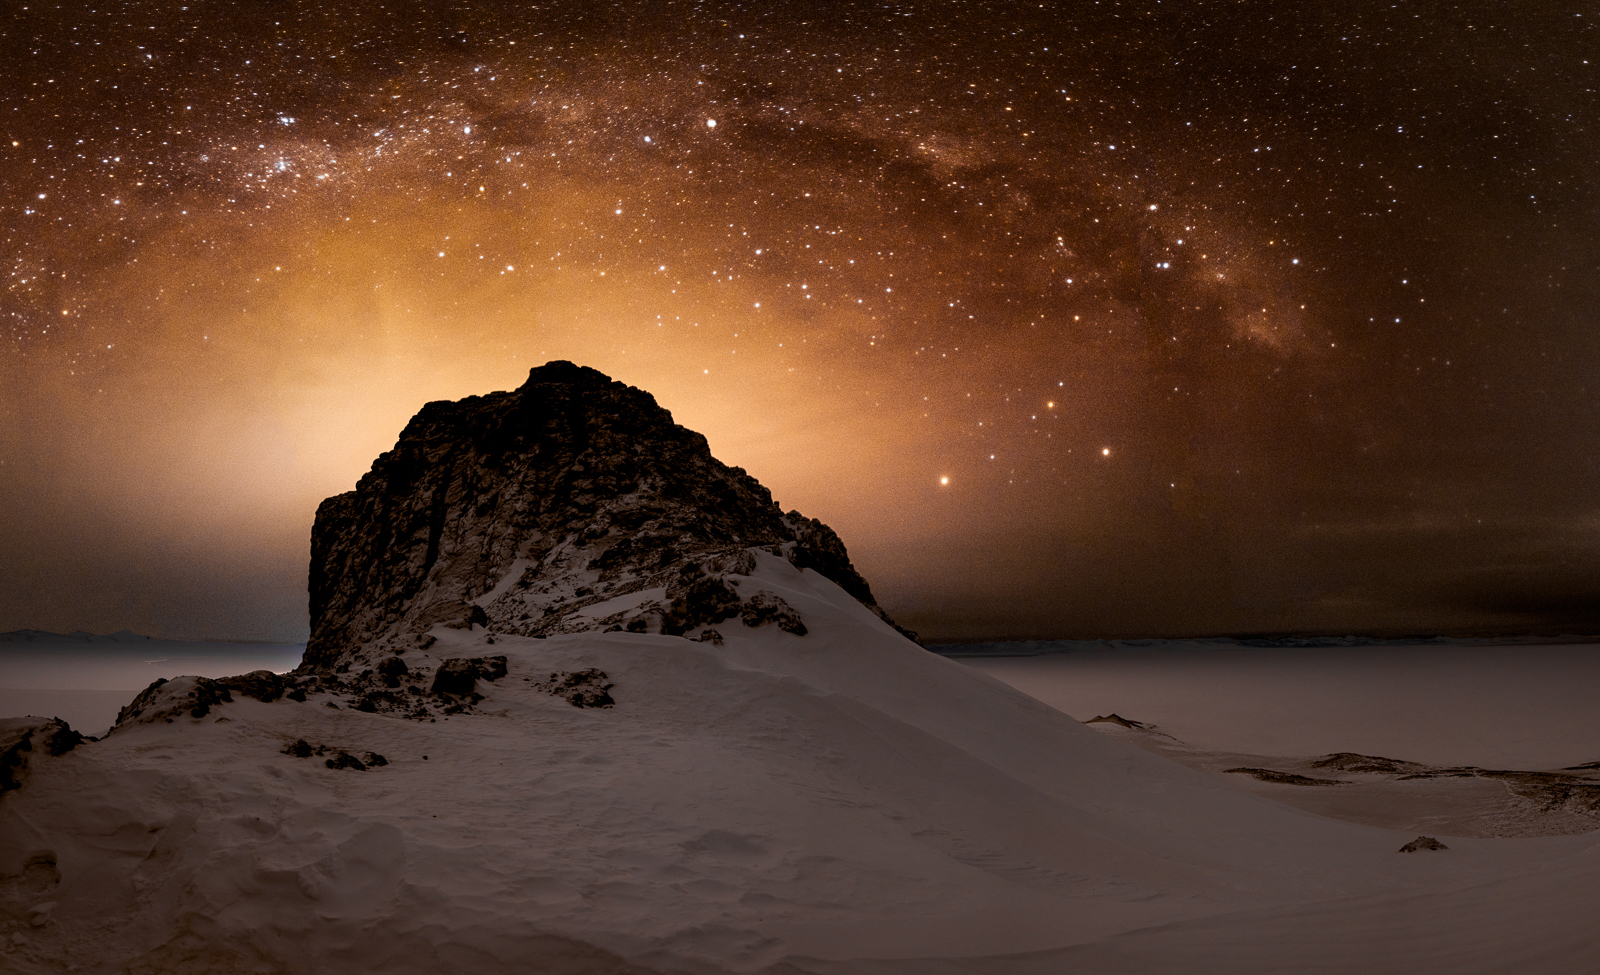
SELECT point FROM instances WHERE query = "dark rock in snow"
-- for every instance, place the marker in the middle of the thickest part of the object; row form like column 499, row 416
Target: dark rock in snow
column 704, row 601
column 166, row 700
column 1423, row 843
column 1117, row 719
column 515, row 510
column 766, row 607
column 263, row 685
column 1368, row 764
column 581, row 688
column 816, row 546
column 1284, row 778
column 300, row 748
column 391, row 669
column 23, row 739
column 458, row 675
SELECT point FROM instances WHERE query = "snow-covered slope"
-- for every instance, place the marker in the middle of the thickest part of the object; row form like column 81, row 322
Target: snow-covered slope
column 775, row 800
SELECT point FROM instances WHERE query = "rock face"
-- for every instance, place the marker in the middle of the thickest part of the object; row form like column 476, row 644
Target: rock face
column 572, row 503
column 25, row 739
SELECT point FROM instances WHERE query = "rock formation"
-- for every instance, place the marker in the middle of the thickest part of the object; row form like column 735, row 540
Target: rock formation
column 22, row 739
column 572, row 503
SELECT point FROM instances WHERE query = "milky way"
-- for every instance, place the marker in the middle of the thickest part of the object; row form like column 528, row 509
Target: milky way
column 1074, row 319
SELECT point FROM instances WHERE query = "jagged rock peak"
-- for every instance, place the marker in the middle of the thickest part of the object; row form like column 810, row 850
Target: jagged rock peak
column 524, row 511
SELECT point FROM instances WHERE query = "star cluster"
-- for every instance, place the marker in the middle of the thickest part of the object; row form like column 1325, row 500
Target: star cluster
column 1115, row 318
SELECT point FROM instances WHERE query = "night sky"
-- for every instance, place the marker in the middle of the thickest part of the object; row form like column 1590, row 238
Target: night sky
column 1074, row 319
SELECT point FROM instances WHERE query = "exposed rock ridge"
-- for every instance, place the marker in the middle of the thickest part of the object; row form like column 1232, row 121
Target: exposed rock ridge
column 23, row 739
column 525, row 511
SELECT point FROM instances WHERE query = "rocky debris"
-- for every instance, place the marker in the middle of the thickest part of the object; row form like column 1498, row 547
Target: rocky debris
column 1117, row 719
column 345, row 760
column 393, row 687
column 1548, row 790
column 1284, row 778
column 1526, row 803
column 389, row 688
column 711, row 636
column 263, row 685
column 196, row 697
column 23, row 738
column 816, row 546
column 707, row 600
column 166, row 700
column 766, row 607
column 517, row 511
column 300, row 748
column 581, row 688
column 1369, row 764
column 391, row 669
column 1423, row 843
column 458, row 676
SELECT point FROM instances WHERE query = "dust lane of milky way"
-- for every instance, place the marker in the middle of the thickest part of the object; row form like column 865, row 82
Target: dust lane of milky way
column 1080, row 319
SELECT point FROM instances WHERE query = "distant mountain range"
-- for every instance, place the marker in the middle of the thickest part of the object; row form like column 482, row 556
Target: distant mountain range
column 121, row 638
column 76, row 636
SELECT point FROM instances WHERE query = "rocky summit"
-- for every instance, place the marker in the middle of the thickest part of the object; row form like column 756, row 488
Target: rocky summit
column 571, row 503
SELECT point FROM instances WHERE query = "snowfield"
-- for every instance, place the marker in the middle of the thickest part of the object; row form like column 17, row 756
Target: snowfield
column 838, row 802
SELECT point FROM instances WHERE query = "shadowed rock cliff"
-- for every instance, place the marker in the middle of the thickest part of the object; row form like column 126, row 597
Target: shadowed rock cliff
column 572, row 503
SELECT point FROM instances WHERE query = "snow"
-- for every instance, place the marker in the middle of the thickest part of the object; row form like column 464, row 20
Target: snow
column 1495, row 706
column 622, row 603
column 509, row 579
column 1478, row 740
column 841, row 802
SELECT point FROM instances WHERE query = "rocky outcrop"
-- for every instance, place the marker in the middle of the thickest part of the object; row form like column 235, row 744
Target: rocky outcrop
column 166, row 700
column 1282, row 778
column 587, row 688
column 459, row 676
column 24, row 740
column 541, row 511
